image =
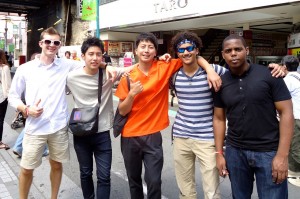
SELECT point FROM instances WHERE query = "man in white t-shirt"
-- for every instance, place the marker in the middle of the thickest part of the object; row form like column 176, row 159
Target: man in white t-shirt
column 292, row 80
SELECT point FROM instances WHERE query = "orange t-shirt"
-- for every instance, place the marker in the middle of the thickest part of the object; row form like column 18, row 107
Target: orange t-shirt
column 149, row 113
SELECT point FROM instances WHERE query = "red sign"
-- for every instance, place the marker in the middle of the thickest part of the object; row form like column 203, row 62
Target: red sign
column 127, row 61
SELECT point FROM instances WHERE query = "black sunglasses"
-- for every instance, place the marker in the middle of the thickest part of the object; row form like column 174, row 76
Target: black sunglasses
column 189, row 49
column 48, row 42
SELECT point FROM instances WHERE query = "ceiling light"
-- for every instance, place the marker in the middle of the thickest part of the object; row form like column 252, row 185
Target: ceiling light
column 40, row 29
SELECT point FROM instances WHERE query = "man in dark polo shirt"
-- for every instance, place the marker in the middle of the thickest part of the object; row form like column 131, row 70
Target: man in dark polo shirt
column 256, row 143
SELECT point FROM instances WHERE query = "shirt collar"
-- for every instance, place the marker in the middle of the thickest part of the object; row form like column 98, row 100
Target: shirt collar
column 54, row 63
column 244, row 74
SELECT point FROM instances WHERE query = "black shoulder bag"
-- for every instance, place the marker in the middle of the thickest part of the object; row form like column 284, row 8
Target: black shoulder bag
column 84, row 121
column 120, row 120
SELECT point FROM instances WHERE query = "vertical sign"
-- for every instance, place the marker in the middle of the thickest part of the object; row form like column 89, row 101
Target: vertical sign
column 89, row 10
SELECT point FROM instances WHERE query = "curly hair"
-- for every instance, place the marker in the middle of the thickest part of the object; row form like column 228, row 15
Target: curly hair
column 180, row 36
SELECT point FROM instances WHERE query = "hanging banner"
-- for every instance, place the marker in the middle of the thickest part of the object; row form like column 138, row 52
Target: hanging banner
column 89, row 10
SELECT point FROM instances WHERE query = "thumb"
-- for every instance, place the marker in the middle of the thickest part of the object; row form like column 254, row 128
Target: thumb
column 209, row 84
column 38, row 102
column 131, row 81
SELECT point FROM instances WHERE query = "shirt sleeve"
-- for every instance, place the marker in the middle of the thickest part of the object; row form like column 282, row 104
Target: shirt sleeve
column 217, row 99
column 122, row 90
column 75, row 64
column 17, row 88
column 280, row 91
column 7, row 79
column 220, row 70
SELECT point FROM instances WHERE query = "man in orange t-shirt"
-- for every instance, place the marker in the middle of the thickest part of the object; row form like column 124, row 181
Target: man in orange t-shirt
column 147, row 105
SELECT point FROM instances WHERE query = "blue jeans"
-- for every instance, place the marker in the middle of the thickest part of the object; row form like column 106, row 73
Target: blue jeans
column 242, row 165
column 18, row 144
column 99, row 145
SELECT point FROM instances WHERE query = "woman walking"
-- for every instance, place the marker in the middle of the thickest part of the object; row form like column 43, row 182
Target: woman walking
column 5, row 82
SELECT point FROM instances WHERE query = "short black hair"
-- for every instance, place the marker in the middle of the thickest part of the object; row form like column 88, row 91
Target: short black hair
column 147, row 36
column 234, row 36
column 91, row 41
column 180, row 36
column 291, row 62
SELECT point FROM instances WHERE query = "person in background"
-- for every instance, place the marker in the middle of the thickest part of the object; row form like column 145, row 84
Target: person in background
column 256, row 142
column 44, row 80
column 106, row 57
column 74, row 55
column 147, row 105
column 10, row 59
column 67, row 55
column 6, row 56
column 292, row 81
column 5, row 82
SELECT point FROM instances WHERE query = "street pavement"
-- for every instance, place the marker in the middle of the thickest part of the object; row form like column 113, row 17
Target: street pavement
column 70, row 186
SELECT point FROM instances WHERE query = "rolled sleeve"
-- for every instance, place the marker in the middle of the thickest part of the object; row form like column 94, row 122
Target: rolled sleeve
column 16, row 89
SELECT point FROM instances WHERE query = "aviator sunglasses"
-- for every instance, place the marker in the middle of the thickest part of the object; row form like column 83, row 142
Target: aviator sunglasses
column 48, row 42
column 189, row 49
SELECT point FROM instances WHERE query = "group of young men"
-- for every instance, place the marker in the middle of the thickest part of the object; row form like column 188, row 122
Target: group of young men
column 256, row 142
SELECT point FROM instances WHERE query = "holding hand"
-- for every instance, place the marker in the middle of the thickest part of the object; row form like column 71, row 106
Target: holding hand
column 35, row 111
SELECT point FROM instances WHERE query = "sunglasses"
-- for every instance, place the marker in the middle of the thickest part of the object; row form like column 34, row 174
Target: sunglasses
column 48, row 42
column 189, row 49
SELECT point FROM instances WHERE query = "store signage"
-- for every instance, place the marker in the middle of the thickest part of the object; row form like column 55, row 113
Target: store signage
column 294, row 51
column 127, row 61
column 294, row 40
column 149, row 11
column 165, row 6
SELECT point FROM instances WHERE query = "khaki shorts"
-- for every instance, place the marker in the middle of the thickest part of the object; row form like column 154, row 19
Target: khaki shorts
column 34, row 145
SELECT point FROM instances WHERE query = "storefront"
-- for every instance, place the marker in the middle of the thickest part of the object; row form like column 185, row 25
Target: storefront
column 165, row 18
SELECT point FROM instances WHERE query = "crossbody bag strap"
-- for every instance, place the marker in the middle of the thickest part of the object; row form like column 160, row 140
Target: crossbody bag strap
column 100, row 81
column 295, row 76
column 128, row 83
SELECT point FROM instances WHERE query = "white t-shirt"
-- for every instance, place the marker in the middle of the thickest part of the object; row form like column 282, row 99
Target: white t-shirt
column 293, row 85
column 84, row 88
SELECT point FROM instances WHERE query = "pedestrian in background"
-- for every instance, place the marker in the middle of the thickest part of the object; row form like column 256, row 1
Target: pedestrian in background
column 10, row 59
column 257, row 144
column 292, row 81
column 74, row 55
column 67, row 54
column 5, row 82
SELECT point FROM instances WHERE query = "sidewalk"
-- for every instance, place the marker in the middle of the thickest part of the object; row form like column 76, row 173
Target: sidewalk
column 40, row 188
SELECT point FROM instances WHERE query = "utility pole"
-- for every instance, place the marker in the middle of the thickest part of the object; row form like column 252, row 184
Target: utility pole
column 97, row 19
column 5, row 35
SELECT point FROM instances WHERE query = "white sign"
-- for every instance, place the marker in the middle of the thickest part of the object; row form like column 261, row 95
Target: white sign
column 294, row 40
column 124, row 12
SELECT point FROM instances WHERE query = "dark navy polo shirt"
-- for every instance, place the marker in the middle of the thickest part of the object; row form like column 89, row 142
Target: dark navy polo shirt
column 250, row 109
